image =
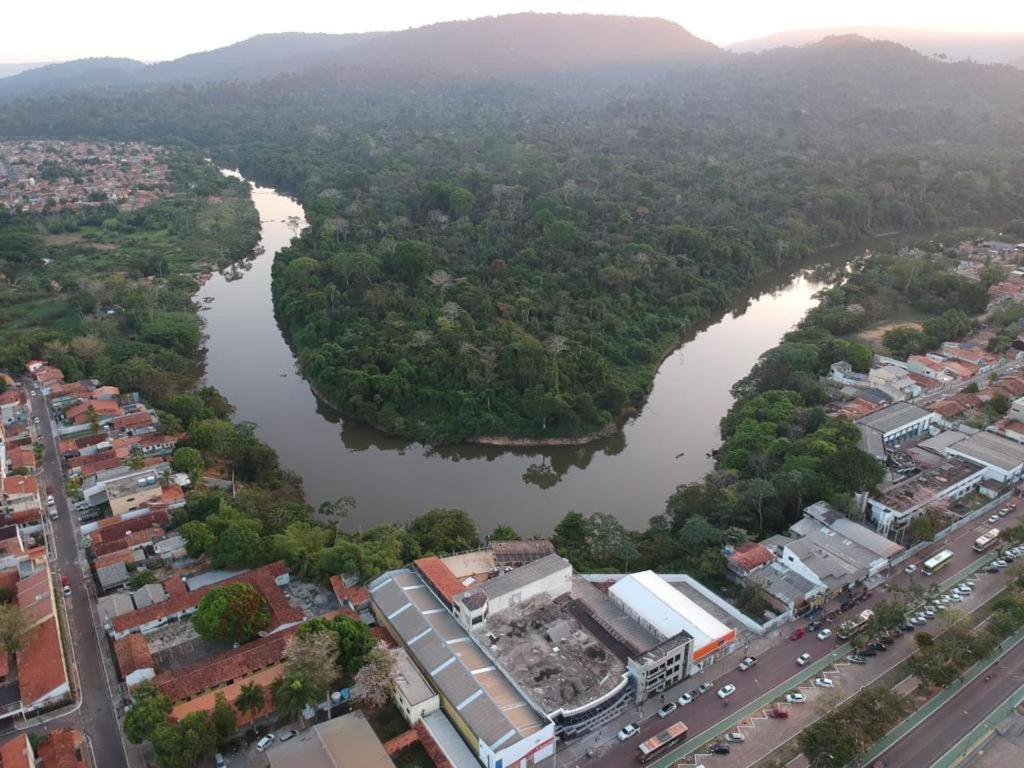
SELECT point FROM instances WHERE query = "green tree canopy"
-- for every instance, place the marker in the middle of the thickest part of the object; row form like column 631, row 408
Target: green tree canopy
column 231, row 613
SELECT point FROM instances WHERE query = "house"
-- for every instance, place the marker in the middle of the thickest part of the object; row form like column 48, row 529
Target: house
column 17, row 752
column 42, row 673
column 842, row 373
column 134, row 660
column 749, row 557
column 104, row 411
column 514, row 553
column 785, row 589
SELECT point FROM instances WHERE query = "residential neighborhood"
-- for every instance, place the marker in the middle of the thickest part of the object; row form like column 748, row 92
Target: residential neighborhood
column 52, row 176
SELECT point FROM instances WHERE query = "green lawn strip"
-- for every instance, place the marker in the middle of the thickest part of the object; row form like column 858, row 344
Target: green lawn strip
column 981, row 731
column 933, row 704
column 806, row 673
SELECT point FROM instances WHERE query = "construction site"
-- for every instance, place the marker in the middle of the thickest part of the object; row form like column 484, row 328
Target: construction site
column 550, row 655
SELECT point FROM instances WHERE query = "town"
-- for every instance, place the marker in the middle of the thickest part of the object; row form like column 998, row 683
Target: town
column 50, row 176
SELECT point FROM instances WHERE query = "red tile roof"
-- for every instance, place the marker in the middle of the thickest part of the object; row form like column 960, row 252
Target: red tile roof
column 356, row 596
column 281, row 611
column 17, row 752
column 130, row 420
column 34, row 595
column 135, row 538
column 62, row 750
column 20, row 485
column 40, row 663
column 440, row 577
column 115, row 528
column 132, row 653
column 212, row 672
column 751, row 555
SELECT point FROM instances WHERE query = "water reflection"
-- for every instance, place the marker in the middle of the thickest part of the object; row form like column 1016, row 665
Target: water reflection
column 630, row 474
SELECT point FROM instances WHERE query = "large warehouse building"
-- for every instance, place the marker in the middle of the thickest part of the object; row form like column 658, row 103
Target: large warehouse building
column 666, row 612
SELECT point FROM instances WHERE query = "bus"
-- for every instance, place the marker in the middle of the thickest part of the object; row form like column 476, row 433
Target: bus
column 656, row 746
column 937, row 562
column 853, row 626
column 986, row 540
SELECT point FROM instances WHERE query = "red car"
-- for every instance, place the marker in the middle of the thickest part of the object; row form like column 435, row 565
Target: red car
column 778, row 712
column 797, row 633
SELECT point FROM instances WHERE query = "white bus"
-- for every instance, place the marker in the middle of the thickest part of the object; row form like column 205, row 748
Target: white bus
column 937, row 562
column 986, row 540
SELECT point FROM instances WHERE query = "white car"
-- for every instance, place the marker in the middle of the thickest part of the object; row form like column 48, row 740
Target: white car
column 735, row 738
column 999, row 563
column 824, row 682
column 803, row 658
column 825, row 634
column 683, row 700
column 796, row 698
column 916, row 621
column 928, row 613
column 35, row 419
column 265, row 742
column 726, row 691
column 994, row 519
column 628, row 732
column 747, row 663
column 910, row 568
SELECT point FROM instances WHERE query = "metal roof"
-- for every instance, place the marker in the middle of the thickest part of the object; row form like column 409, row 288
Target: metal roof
column 450, row 659
column 518, row 578
column 894, row 417
column 989, row 448
column 668, row 610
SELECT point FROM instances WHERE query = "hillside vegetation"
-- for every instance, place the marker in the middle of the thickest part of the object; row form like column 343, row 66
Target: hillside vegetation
column 515, row 255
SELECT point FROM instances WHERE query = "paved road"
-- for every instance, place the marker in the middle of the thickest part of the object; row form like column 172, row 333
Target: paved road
column 778, row 664
column 955, row 719
column 96, row 717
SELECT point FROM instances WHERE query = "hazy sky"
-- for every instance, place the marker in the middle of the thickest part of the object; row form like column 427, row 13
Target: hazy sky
column 55, row 30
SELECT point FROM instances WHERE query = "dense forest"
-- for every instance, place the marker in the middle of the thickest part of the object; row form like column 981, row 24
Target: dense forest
column 515, row 256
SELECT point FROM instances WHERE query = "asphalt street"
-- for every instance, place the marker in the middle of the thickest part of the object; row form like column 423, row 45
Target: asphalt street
column 778, row 663
column 96, row 717
column 955, row 719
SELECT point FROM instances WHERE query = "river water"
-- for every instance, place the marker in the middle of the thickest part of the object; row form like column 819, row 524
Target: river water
column 629, row 475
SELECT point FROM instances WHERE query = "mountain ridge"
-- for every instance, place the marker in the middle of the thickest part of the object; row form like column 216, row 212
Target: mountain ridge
column 492, row 45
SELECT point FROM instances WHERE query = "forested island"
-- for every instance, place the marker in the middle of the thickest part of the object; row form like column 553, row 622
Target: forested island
column 514, row 256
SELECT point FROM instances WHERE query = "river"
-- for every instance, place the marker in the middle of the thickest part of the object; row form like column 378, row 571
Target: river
column 629, row 475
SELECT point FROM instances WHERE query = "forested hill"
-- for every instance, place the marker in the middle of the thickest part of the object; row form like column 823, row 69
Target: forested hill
column 497, row 256
column 501, row 45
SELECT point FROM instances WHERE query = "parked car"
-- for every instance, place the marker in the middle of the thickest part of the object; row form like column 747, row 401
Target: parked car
column 667, row 709
column 705, row 687
column 824, row 682
column 928, row 613
column 218, row 761
column 825, row 634
column 747, row 663
column 777, row 711
column 796, row 698
column 49, row 500
column 693, row 694
column 999, row 563
column 797, row 633
column 1004, row 511
column 853, row 658
column 910, row 569
column 735, row 737
column 720, row 749
column 288, row 735
column 628, row 731
column 35, row 419
column 814, row 626
column 683, row 700
column 726, row 691
column 916, row 620
column 265, row 742
column 992, row 569
column 803, row 658
column 994, row 519
column 867, row 652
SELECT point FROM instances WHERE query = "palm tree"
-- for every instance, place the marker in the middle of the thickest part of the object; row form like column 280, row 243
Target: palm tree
column 290, row 695
column 251, row 698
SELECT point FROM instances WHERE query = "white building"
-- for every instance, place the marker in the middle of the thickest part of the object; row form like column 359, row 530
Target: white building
column 899, row 422
column 551, row 575
column 900, row 503
column 412, row 694
column 1002, row 459
column 666, row 612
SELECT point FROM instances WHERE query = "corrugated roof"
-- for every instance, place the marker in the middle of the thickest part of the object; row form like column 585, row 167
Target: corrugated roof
column 667, row 609
column 518, row 578
column 440, row 577
column 989, row 448
column 894, row 417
